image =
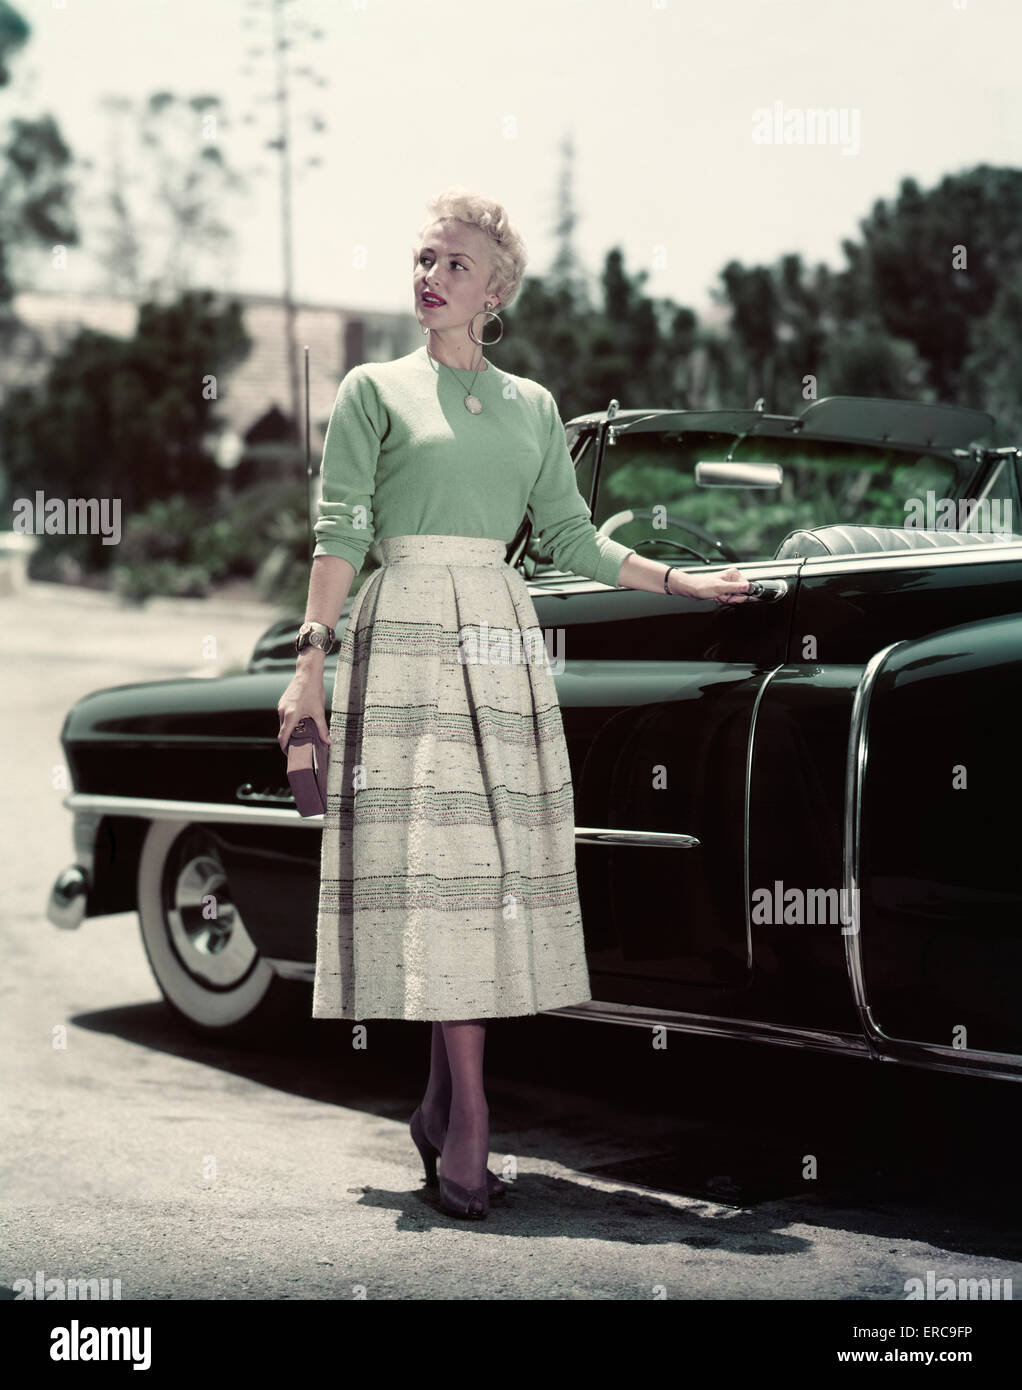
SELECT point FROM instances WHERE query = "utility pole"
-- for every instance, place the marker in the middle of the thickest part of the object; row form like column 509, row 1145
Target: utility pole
column 283, row 142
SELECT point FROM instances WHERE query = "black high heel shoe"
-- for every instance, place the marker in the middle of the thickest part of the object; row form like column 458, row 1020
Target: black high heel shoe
column 471, row 1202
column 429, row 1153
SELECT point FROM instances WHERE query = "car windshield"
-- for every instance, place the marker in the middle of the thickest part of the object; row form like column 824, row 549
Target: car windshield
column 824, row 483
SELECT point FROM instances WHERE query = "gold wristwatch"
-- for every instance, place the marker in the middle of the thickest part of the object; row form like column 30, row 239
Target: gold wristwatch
column 314, row 635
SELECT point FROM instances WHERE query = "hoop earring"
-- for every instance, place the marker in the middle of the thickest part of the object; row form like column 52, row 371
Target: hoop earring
column 482, row 341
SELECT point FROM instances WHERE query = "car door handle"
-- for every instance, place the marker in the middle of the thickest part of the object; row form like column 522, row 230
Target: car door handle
column 766, row 591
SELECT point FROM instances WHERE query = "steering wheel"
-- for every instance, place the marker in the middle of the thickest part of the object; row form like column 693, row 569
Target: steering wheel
column 646, row 514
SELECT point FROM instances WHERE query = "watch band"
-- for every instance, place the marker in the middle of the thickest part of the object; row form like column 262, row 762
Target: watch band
column 314, row 635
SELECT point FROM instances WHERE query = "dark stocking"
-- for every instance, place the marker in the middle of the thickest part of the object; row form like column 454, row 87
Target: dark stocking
column 467, row 1142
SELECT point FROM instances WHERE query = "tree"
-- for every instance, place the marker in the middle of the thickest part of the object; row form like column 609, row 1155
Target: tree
column 167, row 181
column 35, row 196
column 754, row 319
column 906, row 267
column 567, row 273
column 14, row 34
column 992, row 372
column 285, row 142
column 125, row 420
column 35, row 206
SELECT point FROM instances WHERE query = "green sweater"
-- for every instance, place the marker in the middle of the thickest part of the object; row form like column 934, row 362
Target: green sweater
column 402, row 456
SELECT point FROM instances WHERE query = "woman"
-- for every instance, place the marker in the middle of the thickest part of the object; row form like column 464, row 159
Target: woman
column 447, row 887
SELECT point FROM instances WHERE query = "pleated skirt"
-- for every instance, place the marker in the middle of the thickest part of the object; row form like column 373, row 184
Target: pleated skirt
column 447, row 880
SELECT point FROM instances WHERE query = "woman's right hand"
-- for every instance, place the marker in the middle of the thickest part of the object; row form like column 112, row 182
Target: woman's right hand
column 305, row 698
column 728, row 587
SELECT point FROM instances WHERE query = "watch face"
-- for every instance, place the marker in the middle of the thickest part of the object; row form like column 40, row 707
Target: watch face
column 309, row 636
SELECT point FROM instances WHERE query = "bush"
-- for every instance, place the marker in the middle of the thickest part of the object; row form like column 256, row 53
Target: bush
column 160, row 578
column 181, row 548
column 172, row 548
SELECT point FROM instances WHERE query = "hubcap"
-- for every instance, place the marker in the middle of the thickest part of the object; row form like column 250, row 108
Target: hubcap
column 204, row 925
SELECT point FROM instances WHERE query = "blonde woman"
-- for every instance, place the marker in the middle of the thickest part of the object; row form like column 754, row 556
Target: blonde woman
column 447, row 886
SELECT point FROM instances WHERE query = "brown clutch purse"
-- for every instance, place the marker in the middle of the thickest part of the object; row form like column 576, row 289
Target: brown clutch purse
column 308, row 758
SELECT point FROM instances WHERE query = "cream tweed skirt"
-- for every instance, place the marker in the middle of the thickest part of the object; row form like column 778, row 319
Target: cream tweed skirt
column 447, row 877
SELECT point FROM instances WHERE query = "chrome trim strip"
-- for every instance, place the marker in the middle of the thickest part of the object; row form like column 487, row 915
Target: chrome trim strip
column 997, row 1066
column 155, row 809
column 968, row 1061
column 637, row 1016
column 655, row 839
column 994, row 551
column 886, row 1047
column 557, row 582
column 152, row 808
column 855, row 767
column 293, row 969
column 746, row 835
column 674, row 1020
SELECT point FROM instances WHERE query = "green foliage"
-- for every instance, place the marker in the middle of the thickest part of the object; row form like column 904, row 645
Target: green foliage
column 35, row 193
column 132, row 420
column 992, row 371
column 123, row 420
column 169, row 549
column 14, row 34
column 899, row 321
column 164, row 578
column 824, row 485
column 182, row 547
column 630, row 349
column 909, row 273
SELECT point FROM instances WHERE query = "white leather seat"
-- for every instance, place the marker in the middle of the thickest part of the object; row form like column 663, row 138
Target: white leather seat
column 867, row 540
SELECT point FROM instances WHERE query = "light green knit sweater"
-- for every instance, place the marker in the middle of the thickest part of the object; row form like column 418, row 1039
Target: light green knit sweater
column 403, row 456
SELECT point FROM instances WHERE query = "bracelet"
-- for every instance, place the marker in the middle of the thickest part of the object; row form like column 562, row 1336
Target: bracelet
column 667, row 576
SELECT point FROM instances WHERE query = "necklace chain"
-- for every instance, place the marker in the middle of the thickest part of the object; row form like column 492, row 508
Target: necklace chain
column 472, row 402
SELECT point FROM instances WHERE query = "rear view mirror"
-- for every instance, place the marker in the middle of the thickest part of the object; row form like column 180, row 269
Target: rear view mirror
column 713, row 473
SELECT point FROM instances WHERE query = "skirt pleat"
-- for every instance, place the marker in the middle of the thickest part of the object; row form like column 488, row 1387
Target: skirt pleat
column 447, row 881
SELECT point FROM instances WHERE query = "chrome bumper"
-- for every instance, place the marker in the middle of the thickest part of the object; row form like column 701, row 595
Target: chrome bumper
column 69, row 895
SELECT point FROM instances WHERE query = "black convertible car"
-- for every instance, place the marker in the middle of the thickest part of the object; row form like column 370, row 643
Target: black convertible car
column 796, row 816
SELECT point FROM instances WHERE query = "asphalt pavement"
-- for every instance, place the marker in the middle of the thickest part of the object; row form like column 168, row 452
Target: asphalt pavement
column 188, row 1169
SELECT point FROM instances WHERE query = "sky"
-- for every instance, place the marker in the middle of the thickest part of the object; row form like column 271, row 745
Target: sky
column 662, row 98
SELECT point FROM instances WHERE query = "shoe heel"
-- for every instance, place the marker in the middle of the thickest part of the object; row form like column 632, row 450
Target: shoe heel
column 427, row 1152
column 496, row 1189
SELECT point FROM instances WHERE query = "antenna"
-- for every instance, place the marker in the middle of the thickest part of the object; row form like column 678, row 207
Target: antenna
column 308, row 461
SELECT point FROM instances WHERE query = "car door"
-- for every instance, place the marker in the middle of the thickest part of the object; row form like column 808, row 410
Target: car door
column 930, row 829
column 657, row 695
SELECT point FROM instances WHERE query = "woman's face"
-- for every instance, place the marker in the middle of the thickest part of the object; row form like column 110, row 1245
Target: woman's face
column 453, row 263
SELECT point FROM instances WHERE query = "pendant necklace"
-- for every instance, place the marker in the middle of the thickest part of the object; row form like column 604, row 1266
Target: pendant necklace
column 472, row 403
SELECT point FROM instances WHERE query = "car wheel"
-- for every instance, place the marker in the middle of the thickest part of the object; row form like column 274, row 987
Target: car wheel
column 207, row 966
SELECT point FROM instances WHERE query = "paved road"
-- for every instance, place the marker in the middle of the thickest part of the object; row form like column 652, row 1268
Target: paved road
column 194, row 1171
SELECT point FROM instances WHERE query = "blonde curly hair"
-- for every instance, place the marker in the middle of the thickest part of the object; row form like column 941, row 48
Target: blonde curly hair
column 508, row 257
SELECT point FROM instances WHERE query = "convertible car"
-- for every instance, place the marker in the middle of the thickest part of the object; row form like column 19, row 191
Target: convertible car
column 796, row 815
